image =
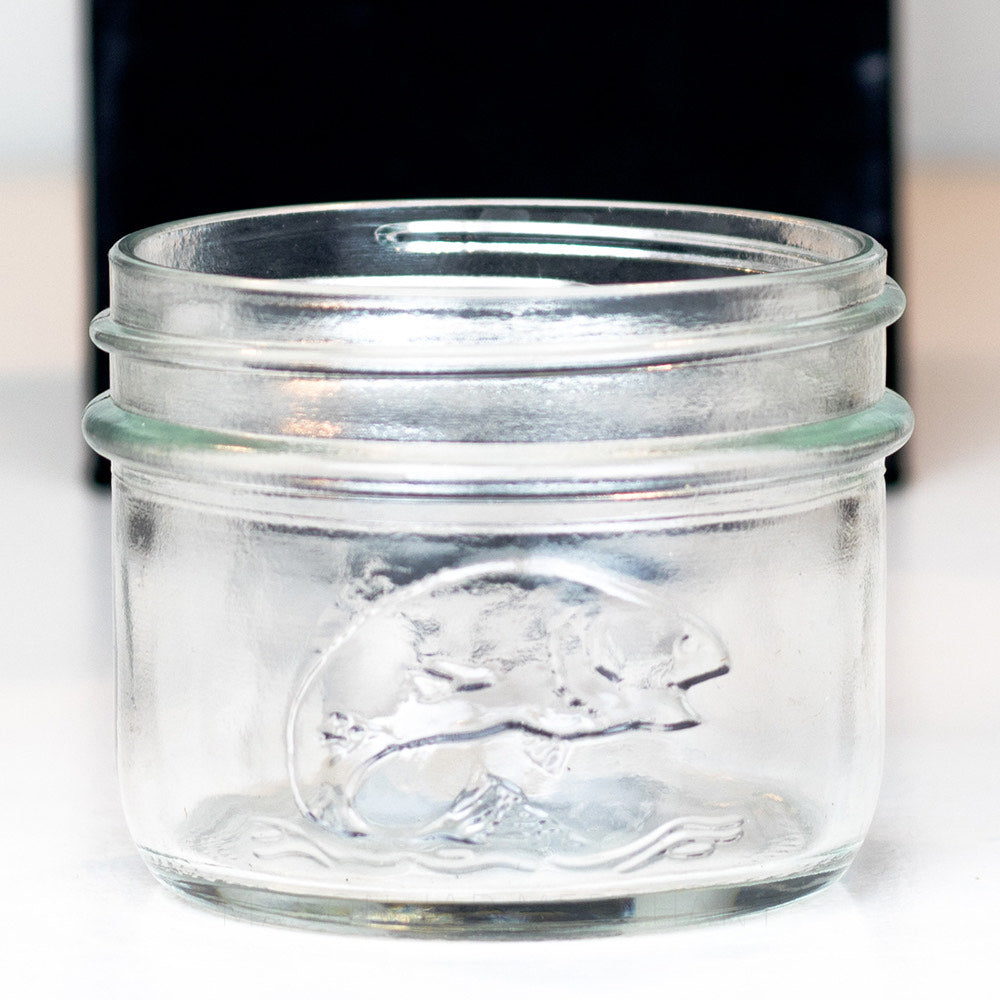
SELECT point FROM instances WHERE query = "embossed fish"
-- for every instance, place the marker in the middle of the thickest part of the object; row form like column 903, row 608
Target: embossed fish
column 535, row 648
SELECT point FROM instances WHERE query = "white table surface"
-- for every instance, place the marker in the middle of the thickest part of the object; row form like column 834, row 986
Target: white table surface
column 917, row 914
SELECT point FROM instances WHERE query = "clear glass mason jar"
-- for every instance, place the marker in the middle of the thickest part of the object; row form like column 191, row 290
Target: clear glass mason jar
column 490, row 567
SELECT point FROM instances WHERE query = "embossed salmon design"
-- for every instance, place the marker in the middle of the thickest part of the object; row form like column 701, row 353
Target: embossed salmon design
column 453, row 708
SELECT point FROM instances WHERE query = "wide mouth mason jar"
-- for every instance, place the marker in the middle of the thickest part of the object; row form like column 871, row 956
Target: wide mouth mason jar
column 490, row 567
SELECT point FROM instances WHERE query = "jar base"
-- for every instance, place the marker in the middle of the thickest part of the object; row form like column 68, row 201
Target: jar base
column 529, row 919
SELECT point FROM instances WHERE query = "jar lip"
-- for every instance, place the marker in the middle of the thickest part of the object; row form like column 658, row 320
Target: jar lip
column 856, row 252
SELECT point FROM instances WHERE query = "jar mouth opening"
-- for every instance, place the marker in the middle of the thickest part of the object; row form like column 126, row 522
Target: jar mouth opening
column 542, row 250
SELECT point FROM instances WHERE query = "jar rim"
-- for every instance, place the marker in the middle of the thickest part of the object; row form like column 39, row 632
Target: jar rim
column 845, row 251
column 453, row 285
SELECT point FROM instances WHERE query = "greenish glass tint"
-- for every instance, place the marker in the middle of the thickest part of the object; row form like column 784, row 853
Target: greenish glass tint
column 498, row 568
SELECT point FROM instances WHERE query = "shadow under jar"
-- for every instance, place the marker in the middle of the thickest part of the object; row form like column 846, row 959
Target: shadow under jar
column 494, row 567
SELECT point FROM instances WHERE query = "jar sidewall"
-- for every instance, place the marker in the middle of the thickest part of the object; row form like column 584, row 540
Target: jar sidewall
column 222, row 613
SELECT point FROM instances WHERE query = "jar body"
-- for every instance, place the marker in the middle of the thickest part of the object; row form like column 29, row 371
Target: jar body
column 489, row 568
column 388, row 706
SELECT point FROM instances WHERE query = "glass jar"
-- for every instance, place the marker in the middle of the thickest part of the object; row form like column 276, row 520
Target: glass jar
column 487, row 567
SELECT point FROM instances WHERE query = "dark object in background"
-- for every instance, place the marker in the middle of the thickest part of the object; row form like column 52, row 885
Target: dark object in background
column 206, row 107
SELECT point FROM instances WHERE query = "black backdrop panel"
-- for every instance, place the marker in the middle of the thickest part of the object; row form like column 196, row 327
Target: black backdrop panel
column 207, row 106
